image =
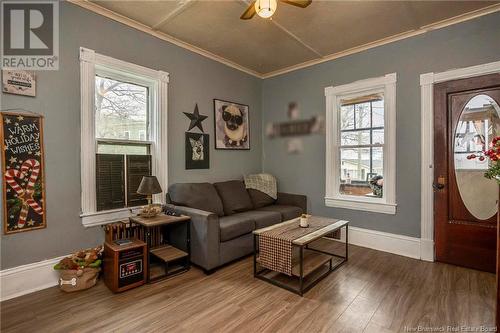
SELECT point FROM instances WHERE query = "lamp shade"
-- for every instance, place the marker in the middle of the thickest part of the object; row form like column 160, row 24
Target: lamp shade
column 149, row 185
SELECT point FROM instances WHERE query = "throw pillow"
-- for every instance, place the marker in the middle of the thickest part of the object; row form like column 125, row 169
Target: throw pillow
column 234, row 196
column 260, row 199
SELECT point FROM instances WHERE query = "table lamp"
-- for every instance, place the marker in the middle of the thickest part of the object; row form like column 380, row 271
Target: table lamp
column 149, row 185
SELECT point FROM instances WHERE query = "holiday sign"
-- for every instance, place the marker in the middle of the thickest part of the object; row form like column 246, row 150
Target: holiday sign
column 22, row 169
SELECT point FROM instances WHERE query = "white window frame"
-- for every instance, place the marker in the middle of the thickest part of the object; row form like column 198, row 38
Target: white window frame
column 157, row 81
column 333, row 198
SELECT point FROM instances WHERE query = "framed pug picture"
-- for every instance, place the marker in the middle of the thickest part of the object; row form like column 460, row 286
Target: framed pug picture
column 232, row 125
column 197, row 151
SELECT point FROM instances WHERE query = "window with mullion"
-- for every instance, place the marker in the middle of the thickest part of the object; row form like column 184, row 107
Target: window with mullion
column 361, row 145
column 122, row 133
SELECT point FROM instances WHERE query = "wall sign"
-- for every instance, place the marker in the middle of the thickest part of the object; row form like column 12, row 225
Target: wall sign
column 22, row 171
column 295, row 129
column 19, row 82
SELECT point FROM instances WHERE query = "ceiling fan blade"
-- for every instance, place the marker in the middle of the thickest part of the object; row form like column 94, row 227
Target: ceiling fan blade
column 249, row 12
column 297, row 3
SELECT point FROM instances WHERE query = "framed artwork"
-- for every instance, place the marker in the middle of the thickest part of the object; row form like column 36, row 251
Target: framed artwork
column 197, row 151
column 23, row 172
column 19, row 82
column 232, row 125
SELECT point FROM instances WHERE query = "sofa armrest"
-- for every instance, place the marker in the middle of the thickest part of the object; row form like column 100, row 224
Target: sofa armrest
column 292, row 200
column 205, row 236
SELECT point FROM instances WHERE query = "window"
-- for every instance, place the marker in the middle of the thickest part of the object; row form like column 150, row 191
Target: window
column 360, row 156
column 122, row 114
column 476, row 127
column 123, row 135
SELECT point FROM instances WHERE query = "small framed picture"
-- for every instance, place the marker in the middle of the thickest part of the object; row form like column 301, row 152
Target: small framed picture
column 19, row 82
column 232, row 125
column 197, row 151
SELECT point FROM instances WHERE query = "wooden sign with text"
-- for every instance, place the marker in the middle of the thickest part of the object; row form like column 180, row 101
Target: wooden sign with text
column 22, row 171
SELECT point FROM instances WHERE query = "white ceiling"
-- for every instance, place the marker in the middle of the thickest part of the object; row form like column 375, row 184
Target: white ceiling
column 294, row 36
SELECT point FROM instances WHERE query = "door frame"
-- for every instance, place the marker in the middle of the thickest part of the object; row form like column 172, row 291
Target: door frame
column 427, row 81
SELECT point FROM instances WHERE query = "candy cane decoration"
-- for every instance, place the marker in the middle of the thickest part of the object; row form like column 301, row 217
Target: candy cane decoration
column 26, row 195
column 34, row 165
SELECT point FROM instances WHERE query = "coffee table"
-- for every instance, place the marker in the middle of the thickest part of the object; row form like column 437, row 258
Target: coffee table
column 277, row 263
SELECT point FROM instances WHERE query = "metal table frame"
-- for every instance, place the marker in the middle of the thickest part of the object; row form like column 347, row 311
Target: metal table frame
column 260, row 274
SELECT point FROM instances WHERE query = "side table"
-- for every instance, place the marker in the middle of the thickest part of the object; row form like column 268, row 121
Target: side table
column 174, row 259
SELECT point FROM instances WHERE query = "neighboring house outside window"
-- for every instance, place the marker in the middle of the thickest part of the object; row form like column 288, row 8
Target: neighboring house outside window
column 123, row 135
column 361, row 145
column 473, row 133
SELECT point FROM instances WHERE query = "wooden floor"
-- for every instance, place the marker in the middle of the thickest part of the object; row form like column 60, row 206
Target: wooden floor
column 373, row 292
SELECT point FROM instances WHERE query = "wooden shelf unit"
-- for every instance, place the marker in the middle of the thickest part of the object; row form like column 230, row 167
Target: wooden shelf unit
column 162, row 255
column 312, row 261
column 168, row 253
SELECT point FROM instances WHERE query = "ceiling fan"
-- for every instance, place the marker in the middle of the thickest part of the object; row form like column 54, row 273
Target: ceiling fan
column 266, row 8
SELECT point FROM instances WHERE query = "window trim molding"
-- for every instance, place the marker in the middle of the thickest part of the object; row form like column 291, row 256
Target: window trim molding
column 333, row 198
column 89, row 60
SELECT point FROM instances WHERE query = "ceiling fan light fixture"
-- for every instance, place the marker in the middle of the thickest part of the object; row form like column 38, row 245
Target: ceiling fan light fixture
column 265, row 8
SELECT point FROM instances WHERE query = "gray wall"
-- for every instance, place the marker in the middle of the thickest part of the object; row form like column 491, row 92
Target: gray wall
column 198, row 79
column 470, row 43
column 193, row 78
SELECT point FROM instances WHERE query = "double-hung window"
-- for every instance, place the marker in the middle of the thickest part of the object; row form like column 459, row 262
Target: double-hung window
column 122, row 111
column 123, row 135
column 360, row 155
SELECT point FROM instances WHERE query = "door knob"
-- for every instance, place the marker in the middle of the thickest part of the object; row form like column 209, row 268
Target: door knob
column 437, row 186
column 440, row 184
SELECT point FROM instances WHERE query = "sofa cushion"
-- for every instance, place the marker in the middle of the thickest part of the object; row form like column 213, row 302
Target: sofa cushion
column 262, row 218
column 196, row 195
column 234, row 196
column 287, row 212
column 234, row 226
column 259, row 198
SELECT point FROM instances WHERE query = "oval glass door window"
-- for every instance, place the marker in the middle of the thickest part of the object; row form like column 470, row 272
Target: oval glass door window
column 478, row 124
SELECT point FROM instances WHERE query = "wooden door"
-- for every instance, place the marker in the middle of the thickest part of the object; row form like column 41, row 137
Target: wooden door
column 466, row 117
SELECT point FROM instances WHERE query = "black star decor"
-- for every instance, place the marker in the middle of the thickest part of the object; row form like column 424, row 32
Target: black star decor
column 196, row 119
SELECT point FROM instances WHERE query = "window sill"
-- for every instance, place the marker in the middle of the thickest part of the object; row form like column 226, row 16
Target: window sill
column 107, row 216
column 376, row 207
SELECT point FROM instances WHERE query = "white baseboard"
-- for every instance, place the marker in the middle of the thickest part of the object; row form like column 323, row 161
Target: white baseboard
column 383, row 241
column 427, row 249
column 25, row 279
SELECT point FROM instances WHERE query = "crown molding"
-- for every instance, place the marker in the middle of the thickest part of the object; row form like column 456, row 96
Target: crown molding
column 163, row 36
column 422, row 30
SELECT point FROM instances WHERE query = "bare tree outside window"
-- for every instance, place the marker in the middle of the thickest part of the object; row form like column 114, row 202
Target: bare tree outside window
column 122, row 136
column 361, row 144
column 121, row 110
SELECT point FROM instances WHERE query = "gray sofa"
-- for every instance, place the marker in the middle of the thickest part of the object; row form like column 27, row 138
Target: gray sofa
column 223, row 216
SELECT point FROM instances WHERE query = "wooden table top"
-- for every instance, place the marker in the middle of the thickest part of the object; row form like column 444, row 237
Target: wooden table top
column 161, row 219
column 135, row 243
column 314, row 234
